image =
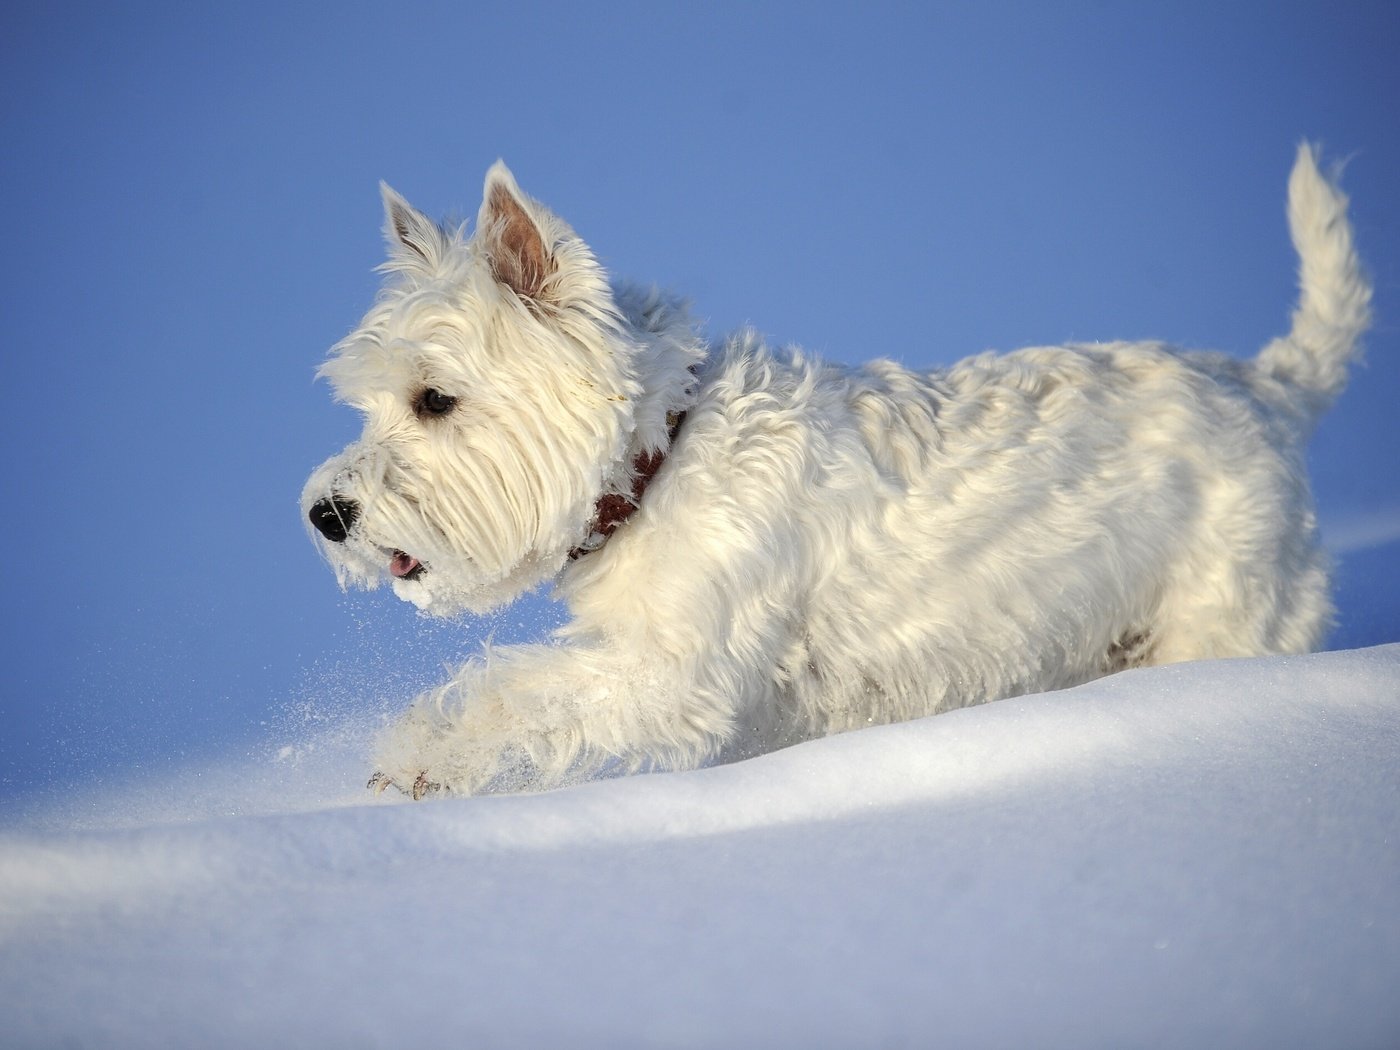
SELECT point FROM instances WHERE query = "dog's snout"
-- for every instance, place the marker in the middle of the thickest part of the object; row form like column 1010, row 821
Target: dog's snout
column 333, row 516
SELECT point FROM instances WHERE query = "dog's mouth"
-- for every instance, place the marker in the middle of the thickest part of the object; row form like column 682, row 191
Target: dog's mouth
column 405, row 566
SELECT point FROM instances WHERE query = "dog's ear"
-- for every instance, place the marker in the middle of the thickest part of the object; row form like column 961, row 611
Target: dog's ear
column 414, row 240
column 520, row 257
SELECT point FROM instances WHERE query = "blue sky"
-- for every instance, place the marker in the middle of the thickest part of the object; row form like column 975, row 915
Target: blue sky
column 193, row 220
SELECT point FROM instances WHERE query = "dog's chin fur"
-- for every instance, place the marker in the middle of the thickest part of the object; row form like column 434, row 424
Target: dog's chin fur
column 821, row 548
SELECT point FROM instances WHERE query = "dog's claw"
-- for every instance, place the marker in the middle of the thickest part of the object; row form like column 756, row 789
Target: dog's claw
column 423, row 786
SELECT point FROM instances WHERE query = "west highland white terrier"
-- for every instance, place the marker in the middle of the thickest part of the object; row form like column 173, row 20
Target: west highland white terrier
column 758, row 546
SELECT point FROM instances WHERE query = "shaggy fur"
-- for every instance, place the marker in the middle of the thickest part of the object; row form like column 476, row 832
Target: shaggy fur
column 822, row 547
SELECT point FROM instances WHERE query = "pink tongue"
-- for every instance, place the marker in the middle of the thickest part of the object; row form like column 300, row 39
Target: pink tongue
column 403, row 564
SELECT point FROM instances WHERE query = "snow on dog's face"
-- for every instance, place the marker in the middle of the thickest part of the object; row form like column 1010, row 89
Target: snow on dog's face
column 495, row 376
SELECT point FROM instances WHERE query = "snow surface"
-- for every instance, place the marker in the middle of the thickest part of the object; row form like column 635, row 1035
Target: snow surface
column 1199, row 855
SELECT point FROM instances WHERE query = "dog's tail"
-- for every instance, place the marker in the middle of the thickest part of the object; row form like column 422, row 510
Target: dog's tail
column 1334, row 303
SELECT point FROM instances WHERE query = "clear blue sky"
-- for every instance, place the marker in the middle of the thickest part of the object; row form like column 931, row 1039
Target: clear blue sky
column 193, row 220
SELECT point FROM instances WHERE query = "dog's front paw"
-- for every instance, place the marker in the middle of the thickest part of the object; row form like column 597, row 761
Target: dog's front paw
column 441, row 748
column 421, row 788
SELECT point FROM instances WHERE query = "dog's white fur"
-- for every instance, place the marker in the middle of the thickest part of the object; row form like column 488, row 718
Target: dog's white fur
column 823, row 547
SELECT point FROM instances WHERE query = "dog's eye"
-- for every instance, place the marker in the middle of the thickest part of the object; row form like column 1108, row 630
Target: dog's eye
column 434, row 403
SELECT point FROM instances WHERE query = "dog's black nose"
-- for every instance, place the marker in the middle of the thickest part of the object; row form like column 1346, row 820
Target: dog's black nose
column 333, row 516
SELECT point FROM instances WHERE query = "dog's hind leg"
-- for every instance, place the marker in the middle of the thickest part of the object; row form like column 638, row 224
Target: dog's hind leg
column 1246, row 604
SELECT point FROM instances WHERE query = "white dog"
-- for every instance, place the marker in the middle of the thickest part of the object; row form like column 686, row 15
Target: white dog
column 758, row 546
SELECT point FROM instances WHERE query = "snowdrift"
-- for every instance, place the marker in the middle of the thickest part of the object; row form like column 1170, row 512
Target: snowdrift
column 1199, row 855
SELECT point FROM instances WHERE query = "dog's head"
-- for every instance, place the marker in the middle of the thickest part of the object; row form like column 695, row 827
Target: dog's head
column 502, row 385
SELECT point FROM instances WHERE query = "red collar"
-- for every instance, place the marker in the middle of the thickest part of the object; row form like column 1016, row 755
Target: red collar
column 613, row 508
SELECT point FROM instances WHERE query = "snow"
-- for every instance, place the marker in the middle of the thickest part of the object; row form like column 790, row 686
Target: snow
column 1198, row 855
